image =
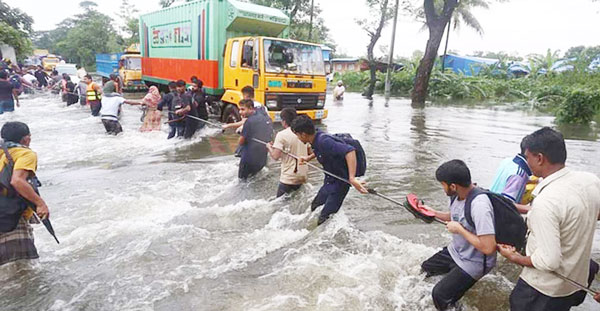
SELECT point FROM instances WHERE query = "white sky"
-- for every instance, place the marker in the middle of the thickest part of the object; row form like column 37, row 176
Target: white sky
column 519, row 26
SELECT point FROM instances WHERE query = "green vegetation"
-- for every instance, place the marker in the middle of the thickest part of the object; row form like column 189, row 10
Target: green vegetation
column 15, row 28
column 80, row 38
column 573, row 96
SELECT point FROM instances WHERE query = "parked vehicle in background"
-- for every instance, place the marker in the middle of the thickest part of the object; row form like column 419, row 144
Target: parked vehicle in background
column 230, row 44
column 50, row 61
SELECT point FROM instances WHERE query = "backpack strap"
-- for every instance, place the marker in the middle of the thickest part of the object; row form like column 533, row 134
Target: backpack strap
column 10, row 165
column 470, row 197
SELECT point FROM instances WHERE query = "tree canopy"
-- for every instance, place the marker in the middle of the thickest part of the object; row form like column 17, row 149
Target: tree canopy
column 15, row 29
column 80, row 38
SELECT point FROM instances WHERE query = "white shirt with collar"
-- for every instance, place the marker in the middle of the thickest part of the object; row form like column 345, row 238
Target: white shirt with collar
column 561, row 226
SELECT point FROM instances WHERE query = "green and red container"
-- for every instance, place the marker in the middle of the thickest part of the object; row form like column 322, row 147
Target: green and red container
column 188, row 39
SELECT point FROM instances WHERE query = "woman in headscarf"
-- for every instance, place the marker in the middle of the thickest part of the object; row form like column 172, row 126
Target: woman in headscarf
column 152, row 119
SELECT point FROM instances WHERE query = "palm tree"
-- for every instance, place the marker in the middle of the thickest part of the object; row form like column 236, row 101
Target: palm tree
column 437, row 14
column 463, row 16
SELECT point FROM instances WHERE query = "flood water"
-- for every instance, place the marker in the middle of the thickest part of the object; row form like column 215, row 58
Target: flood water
column 151, row 224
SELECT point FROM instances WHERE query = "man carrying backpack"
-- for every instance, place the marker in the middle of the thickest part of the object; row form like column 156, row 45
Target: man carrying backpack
column 16, row 234
column 472, row 252
column 337, row 157
column 561, row 224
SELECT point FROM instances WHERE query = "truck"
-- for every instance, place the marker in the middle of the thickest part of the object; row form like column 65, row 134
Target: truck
column 228, row 45
column 50, row 61
column 128, row 65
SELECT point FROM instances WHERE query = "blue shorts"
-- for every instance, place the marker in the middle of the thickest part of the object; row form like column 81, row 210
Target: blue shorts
column 7, row 105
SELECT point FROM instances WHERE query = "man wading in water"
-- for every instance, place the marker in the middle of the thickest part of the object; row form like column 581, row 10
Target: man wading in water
column 254, row 154
column 293, row 175
column 472, row 252
column 337, row 158
column 18, row 243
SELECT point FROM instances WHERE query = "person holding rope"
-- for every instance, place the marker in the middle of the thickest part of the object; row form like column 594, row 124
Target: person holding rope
column 472, row 252
column 293, row 175
column 561, row 223
column 111, row 108
column 167, row 100
column 337, row 158
column 18, row 244
column 257, row 126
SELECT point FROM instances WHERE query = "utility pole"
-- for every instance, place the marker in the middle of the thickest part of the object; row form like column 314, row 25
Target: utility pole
column 446, row 47
column 391, row 58
column 312, row 13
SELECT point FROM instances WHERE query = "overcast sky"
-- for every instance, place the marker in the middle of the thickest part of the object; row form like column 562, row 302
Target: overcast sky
column 517, row 26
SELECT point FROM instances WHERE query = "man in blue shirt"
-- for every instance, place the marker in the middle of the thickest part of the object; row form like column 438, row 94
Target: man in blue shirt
column 337, row 158
column 472, row 252
column 511, row 179
column 258, row 126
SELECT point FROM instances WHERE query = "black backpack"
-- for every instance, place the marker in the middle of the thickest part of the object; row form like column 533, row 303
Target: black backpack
column 509, row 225
column 361, row 157
column 16, row 82
column 12, row 205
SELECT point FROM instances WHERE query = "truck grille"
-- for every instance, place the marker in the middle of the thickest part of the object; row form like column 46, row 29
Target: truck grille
column 298, row 101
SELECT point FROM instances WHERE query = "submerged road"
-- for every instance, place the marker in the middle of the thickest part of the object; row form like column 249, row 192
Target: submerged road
column 147, row 223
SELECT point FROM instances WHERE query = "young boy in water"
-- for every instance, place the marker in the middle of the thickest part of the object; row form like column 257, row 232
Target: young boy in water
column 337, row 158
column 472, row 252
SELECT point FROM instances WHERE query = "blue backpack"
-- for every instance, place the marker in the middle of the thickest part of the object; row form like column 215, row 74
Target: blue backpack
column 361, row 157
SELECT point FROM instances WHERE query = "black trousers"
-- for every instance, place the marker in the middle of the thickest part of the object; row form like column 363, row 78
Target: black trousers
column 284, row 189
column 112, row 127
column 526, row 298
column 176, row 128
column 332, row 196
column 453, row 286
column 95, row 107
column 247, row 170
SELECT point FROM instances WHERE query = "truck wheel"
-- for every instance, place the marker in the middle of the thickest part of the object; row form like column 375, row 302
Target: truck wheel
column 231, row 114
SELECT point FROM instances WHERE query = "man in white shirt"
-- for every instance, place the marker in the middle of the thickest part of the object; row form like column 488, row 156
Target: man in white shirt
column 561, row 224
column 111, row 108
column 293, row 175
column 339, row 90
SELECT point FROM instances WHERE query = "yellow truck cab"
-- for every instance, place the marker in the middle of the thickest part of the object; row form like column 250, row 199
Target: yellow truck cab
column 284, row 73
column 130, row 71
column 49, row 62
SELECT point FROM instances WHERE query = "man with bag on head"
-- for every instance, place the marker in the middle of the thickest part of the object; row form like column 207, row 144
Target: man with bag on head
column 337, row 157
column 16, row 235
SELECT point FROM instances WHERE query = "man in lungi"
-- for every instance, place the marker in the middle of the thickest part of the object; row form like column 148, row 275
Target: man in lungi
column 18, row 243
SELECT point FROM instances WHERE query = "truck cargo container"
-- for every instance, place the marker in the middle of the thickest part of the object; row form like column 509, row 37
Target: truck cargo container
column 230, row 44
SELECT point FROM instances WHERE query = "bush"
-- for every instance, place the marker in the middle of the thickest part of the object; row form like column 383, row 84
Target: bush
column 579, row 106
column 574, row 97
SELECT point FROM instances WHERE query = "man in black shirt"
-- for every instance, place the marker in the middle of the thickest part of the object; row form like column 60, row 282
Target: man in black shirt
column 167, row 100
column 8, row 93
column 258, row 126
column 197, row 109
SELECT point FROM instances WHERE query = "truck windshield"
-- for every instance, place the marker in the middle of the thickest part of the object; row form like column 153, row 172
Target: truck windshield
column 292, row 57
column 133, row 63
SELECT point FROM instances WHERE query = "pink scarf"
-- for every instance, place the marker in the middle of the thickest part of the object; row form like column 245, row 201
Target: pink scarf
column 152, row 98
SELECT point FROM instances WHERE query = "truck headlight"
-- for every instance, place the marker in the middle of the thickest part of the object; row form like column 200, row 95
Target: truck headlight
column 272, row 103
column 321, row 101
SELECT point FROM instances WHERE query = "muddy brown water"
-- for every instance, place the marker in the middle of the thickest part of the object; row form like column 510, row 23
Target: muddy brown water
column 151, row 224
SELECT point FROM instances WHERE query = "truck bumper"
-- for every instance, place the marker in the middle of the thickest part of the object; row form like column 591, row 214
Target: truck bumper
column 315, row 114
